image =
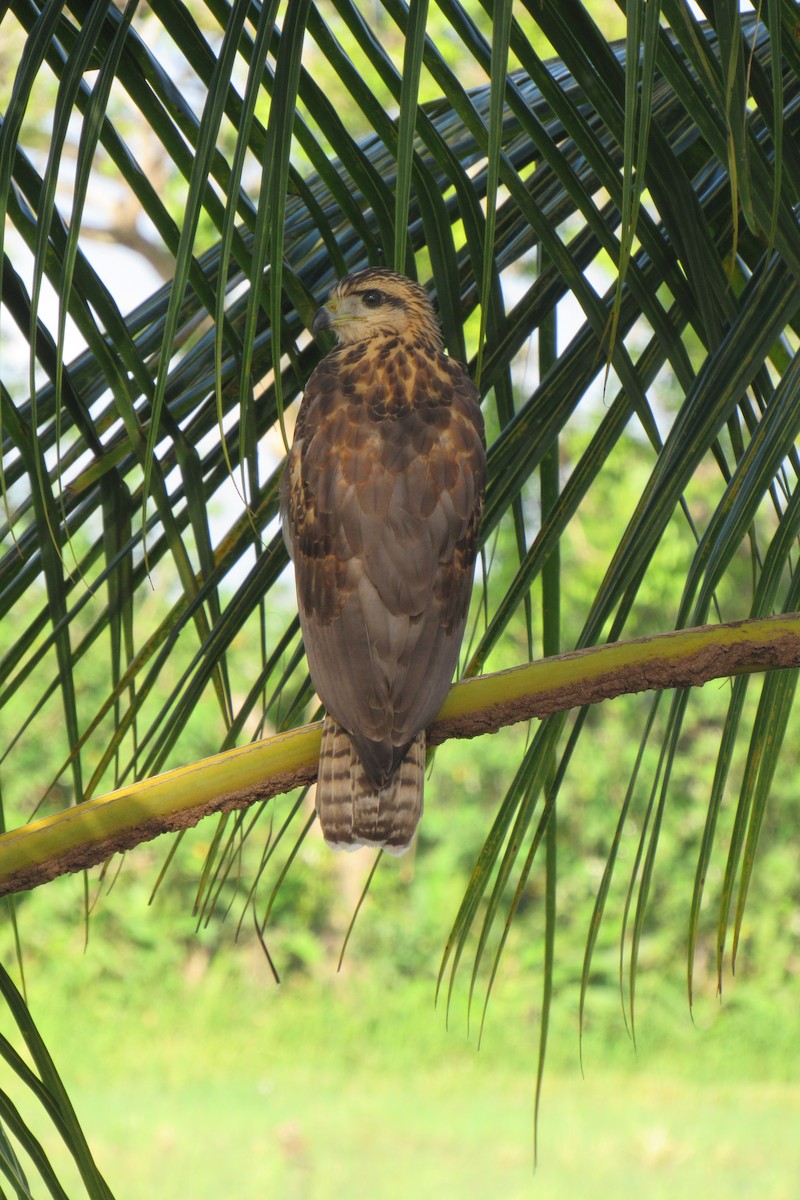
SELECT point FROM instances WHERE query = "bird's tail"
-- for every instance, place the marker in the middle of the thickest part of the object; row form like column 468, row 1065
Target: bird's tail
column 351, row 812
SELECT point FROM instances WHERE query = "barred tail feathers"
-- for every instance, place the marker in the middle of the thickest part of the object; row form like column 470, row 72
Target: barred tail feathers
column 351, row 813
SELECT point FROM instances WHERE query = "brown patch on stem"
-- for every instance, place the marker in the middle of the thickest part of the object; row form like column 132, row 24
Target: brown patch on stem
column 656, row 673
column 89, row 854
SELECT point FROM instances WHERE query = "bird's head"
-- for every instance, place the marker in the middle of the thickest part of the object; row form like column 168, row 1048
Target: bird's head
column 378, row 303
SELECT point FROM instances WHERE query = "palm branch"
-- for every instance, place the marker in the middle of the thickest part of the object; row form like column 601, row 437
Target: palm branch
column 646, row 187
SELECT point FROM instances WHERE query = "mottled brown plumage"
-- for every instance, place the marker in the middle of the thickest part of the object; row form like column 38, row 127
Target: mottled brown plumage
column 381, row 502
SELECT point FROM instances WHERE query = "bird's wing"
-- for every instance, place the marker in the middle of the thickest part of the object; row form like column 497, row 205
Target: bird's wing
column 382, row 520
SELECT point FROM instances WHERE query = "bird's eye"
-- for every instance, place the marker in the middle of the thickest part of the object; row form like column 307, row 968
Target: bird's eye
column 372, row 298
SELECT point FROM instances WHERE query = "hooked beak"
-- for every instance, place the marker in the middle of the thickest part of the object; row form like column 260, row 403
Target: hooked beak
column 322, row 320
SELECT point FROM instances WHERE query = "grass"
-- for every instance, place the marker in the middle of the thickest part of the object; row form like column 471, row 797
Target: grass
column 196, row 1077
column 318, row 1135
column 229, row 1086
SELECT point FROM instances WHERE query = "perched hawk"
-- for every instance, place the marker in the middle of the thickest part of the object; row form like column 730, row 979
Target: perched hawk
column 381, row 500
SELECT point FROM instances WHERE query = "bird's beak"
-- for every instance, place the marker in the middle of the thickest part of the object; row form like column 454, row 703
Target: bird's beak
column 323, row 319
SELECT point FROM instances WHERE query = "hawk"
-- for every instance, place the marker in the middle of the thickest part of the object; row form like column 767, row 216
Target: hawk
column 381, row 499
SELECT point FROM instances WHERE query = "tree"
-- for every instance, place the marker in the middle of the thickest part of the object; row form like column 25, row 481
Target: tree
column 623, row 214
